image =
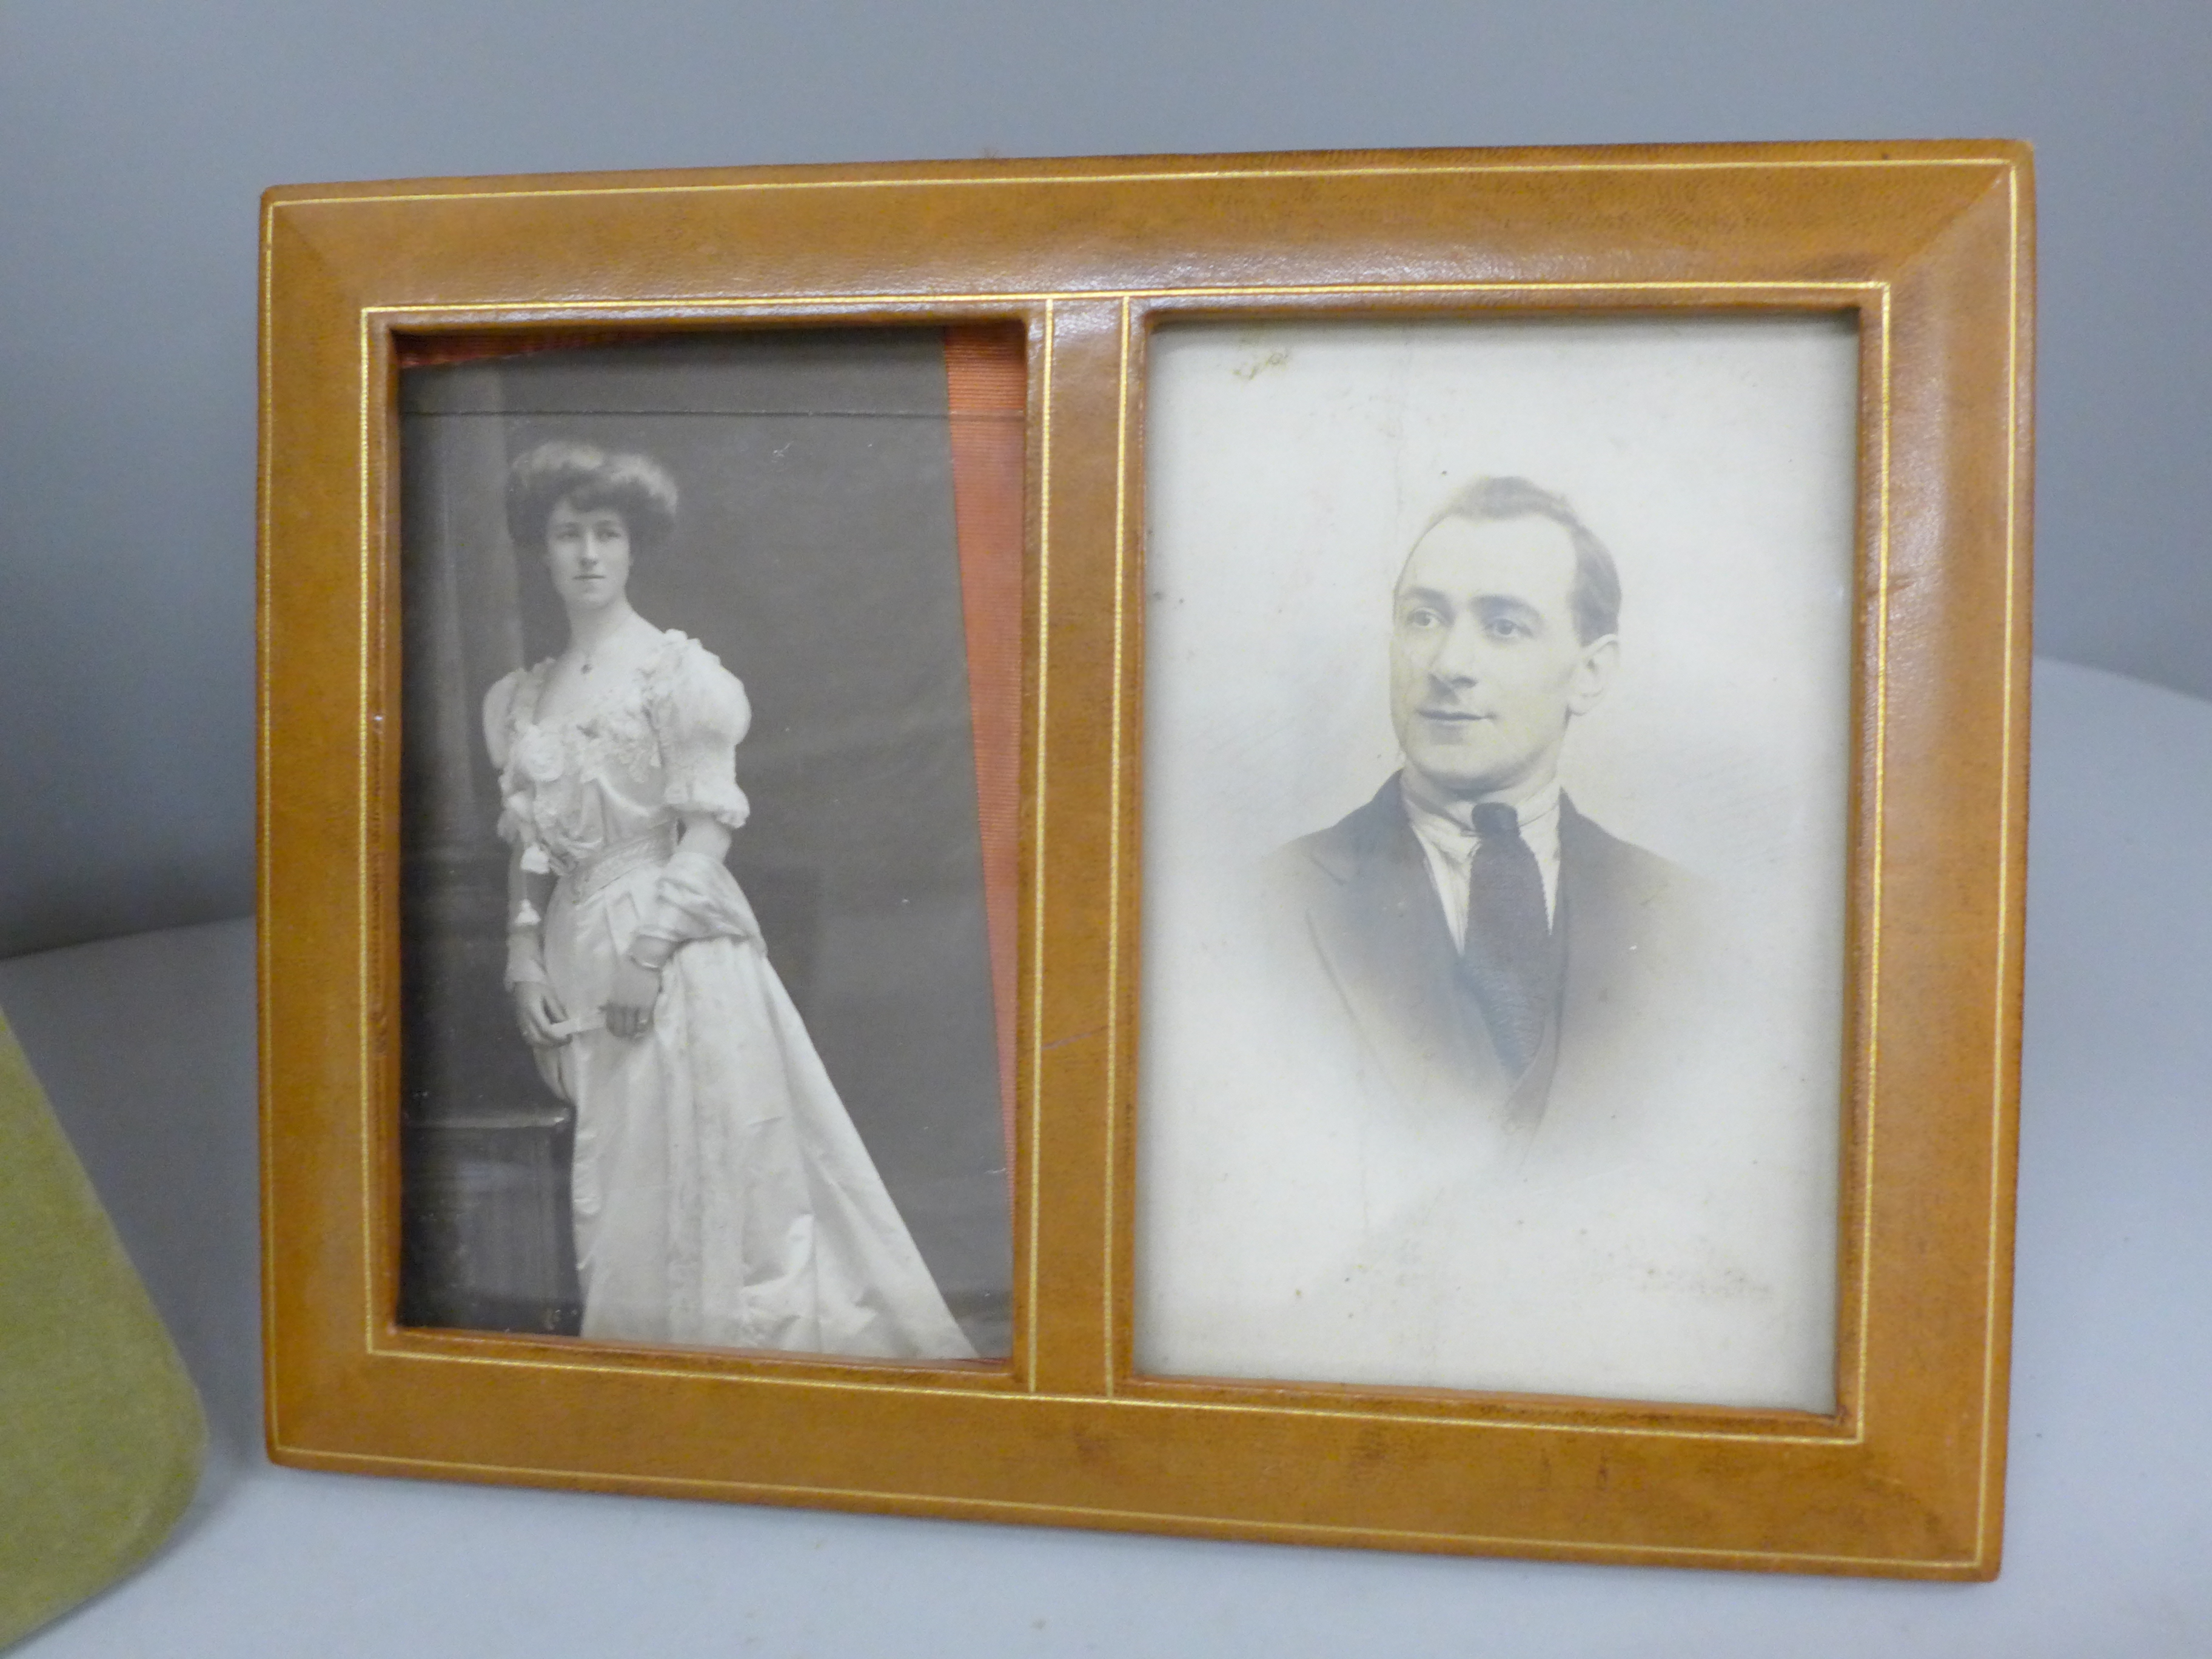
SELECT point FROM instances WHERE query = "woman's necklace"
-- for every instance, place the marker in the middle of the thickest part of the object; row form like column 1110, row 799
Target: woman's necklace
column 583, row 658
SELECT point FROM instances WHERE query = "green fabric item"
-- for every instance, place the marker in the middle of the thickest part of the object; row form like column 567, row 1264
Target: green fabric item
column 100, row 1433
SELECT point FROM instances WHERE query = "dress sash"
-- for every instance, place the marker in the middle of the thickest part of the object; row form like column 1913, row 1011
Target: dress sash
column 609, row 865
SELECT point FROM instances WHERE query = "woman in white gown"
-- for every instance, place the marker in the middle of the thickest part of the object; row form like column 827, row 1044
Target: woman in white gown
column 722, row 1196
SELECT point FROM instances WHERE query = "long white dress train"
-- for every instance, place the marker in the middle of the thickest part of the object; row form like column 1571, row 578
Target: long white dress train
column 722, row 1196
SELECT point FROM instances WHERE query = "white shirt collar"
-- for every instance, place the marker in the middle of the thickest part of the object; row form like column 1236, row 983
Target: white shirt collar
column 1447, row 840
column 1458, row 815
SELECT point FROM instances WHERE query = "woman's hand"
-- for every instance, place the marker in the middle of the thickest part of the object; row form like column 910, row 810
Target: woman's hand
column 630, row 998
column 538, row 1010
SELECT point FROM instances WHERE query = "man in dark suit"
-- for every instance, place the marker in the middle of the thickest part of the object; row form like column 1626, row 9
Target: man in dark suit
column 1495, row 950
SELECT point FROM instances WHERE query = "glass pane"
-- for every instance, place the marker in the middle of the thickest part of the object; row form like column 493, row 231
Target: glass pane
column 710, row 701
column 1496, row 771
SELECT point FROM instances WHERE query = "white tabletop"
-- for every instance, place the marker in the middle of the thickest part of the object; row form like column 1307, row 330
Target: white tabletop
column 146, row 1045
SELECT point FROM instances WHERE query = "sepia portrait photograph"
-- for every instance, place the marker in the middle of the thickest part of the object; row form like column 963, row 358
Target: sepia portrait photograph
column 710, row 684
column 1498, row 748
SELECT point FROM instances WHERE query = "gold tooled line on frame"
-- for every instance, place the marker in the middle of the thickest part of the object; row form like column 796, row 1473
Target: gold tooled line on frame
column 263, row 815
column 1858, row 1408
column 1034, row 1197
column 735, row 307
column 1158, row 1520
column 1114, row 843
column 787, row 303
column 1313, row 1406
column 1194, row 175
column 368, row 637
column 2006, row 788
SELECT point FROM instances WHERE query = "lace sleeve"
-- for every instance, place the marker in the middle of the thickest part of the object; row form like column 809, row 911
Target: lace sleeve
column 699, row 715
column 515, row 826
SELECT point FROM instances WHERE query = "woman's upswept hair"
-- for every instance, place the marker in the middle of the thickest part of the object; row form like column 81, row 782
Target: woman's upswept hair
column 586, row 476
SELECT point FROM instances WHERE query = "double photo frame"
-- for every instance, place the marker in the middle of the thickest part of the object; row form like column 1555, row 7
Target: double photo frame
column 1321, row 847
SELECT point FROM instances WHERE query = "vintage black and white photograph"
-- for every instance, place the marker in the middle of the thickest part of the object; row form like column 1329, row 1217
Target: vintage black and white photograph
column 708, row 781
column 1496, row 748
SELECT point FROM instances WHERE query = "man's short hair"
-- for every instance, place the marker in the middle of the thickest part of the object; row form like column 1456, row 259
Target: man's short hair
column 1594, row 596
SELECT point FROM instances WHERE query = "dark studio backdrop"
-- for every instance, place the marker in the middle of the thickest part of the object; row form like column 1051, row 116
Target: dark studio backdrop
column 815, row 554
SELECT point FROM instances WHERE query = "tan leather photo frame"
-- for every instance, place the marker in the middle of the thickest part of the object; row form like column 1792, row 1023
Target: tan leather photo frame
column 892, row 1124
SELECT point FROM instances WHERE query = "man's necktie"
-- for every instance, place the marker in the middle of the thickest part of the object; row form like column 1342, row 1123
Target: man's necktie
column 1506, row 961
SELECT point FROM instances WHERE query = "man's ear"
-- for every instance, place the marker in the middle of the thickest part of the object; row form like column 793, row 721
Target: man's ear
column 1593, row 674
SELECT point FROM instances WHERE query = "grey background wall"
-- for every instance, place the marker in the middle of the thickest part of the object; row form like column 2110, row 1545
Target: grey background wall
column 136, row 136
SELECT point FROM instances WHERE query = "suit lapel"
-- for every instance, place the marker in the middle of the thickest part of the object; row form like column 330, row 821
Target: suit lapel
column 1382, row 933
column 1590, row 923
column 1601, row 995
column 1373, row 913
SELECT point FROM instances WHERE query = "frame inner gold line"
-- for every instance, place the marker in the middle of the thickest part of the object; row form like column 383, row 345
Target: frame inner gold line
column 1034, row 1197
column 1429, row 1418
column 456, row 313
column 366, row 763
column 1859, row 1408
column 366, row 759
column 1113, row 841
